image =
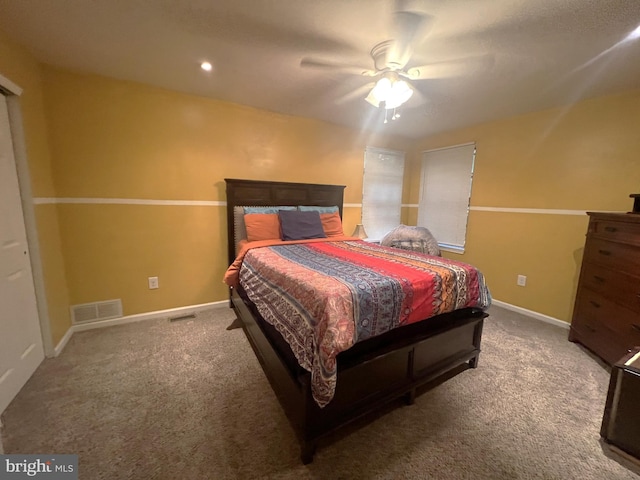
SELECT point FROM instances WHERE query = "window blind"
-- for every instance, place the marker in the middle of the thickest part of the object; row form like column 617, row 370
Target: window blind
column 382, row 191
column 445, row 191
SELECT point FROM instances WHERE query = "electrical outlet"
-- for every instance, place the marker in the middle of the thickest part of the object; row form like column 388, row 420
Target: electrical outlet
column 522, row 280
column 153, row 282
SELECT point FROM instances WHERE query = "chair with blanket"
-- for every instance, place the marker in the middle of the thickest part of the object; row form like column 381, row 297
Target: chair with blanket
column 418, row 239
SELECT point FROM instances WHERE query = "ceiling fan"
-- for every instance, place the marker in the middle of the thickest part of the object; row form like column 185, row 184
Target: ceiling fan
column 391, row 60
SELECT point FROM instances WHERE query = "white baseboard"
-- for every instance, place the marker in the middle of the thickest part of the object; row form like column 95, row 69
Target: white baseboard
column 63, row 342
column 530, row 313
column 180, row 311
column 171, row 312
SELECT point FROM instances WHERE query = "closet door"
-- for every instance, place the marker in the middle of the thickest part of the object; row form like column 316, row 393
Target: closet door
column 21, row 348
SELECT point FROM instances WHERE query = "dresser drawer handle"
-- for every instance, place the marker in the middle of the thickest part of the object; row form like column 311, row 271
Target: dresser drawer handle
column 601, row 280
column 610, row 229
column 604, row 252
column 635, row 326
column 594, row 303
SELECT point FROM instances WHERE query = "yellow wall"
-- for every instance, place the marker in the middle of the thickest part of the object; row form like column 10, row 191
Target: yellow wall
column 116, row 139
column 584, row 157
column 19, row 66
column 93, row 137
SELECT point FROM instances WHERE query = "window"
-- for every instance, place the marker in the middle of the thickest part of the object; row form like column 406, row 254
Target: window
column 382, row 191
column 445, row 191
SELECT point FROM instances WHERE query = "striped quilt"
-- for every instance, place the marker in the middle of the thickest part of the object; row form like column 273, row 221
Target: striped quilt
column 325, row 296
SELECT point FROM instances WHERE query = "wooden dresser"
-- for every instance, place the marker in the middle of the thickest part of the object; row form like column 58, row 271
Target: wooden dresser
column 606, row 316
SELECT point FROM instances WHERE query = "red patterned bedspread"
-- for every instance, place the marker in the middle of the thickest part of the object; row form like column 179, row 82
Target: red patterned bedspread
column 323, row 297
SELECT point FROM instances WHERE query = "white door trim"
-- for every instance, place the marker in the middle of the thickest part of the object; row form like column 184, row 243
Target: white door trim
column 8, row 86
column 24, row 180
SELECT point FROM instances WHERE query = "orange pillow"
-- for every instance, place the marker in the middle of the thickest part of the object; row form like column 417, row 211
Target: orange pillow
column 331, row 224
column 262, row 226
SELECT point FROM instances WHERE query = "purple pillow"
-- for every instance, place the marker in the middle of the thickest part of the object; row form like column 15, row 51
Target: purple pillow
column 296, row 225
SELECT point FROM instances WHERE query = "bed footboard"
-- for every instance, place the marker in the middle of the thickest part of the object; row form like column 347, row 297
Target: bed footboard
column 371, row 376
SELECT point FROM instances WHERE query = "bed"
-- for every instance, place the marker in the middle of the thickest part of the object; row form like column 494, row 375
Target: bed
column 371, row 373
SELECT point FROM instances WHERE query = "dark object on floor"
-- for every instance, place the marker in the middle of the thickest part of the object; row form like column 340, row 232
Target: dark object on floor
column 621, row 420
column 183, row 317
column 235, row 324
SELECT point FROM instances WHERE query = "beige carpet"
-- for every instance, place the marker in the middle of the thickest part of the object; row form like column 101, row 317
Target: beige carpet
column 188, row 400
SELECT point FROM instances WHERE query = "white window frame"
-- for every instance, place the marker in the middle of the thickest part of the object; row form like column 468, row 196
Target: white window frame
column 381, row 214
column 445, row 196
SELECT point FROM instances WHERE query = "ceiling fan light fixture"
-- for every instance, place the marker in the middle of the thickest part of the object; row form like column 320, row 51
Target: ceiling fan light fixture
column 380, row 92
column 372, row 100
column 400, row 92
column 390, row 90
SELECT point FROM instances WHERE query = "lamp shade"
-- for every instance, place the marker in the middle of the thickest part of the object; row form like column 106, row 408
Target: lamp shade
column 400, row 93
column 359, row 231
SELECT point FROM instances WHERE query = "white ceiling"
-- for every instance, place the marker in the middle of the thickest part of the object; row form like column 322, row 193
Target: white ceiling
column 544, row 52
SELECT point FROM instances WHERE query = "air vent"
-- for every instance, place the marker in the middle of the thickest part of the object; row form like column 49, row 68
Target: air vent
column 91, row 312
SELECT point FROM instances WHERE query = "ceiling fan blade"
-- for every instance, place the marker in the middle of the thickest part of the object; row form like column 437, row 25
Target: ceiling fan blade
column 337, row 67
column 450, row 68
column 407, row 28
column 358, row 93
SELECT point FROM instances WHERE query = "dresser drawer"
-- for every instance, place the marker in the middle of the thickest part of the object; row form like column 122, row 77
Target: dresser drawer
column 620, row 287
column 619, row 256
column 617, row 231
column 603, row 314
column 599, row 340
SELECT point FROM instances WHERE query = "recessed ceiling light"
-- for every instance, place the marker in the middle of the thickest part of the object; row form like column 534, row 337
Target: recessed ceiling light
column 206, row 66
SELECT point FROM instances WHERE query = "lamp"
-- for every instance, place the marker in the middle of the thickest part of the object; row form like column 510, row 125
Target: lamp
column 359, row 232
column 390, row 90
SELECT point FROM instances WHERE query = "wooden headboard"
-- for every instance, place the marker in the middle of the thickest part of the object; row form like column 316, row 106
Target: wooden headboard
column 263, row 193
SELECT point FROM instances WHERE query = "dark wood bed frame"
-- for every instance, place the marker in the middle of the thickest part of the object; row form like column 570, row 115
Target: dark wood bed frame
column 370, row 374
